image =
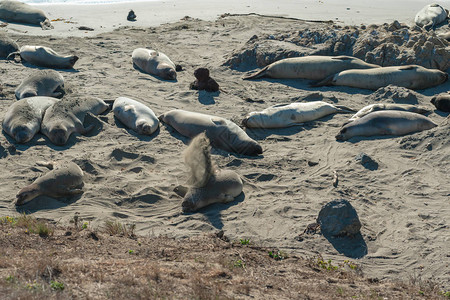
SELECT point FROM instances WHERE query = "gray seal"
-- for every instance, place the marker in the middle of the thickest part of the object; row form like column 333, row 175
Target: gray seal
column 135, row 115
column 41, row 83
column 387, row 122
column 45, row 57
column 67, row 116
column 442, row 102
column 64, row 181
column 430, row 16
column 312, row 67
column 16, row 11
column 154, row 63
column 411, row 77
column 388, row 106
column 222, row 133
column 208, row 184
column 7, row 46
column 23, row 119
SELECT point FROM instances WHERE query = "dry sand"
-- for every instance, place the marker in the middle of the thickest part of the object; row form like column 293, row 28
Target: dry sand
column 403, row 204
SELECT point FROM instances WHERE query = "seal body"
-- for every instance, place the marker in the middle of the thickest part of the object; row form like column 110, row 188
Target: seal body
column 23, row 119
column 135, row 115
column 67, row 116
column 285, row 115
column 7, row 46
column 154, row 63
column 41, row 83
column 312, row 67
column 411, row 77
column 388, row 106
column 445, row 36
column 385, row 123
column 430, row 16
column 442, row 102
column 46, row 57
column 223, row 133
column 64, row 181
column 16, row 11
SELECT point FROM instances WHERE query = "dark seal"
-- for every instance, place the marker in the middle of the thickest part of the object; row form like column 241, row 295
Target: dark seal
column 203, row 81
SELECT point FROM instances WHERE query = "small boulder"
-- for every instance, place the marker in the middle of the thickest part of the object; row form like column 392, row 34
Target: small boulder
column 366, row 161
column 338, row 218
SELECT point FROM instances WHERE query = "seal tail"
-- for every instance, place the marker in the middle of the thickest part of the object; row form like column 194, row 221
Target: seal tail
column 197, row 158
column 256, row 75
column 345, row 109
column 324, row 82
column 13, row 54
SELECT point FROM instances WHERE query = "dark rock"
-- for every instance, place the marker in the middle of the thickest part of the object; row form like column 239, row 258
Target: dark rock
column 131, row 16
column 204, row 82
column 85, row 28
column 367, row 161
column 338, row 218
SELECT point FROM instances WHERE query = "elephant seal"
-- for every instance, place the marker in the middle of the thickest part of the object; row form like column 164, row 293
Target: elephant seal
column 41, row 83
column 312, row 67
column 135, row 115
column 64, row 181
column 411, row 77
column 7, row 46
column 285, row 115
column 387, row 106
column 208, row 185
column 23, row 119
column 45, row 57
column 222, row 133
column 430, row 16
column 67, row 116
column 203, row 81
column 16, row 11
column 154, row 63
column 442, row 102
column 387, row 122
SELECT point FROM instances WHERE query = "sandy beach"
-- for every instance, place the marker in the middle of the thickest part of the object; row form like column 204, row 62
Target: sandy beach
column 403, row 203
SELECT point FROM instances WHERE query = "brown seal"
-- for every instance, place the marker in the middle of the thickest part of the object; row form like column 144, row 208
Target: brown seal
column 204, row 81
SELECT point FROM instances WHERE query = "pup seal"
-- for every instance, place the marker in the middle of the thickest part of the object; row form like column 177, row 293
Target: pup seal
column 411, row 77
column 23, row 119
column 67, row 116
column 442, row 102
column 387, row 106
column 154, row 63
column 45, row 57
column 15, row 11
column 135, row 115
column 285, row 115
column 7, row 46
column 387, row 122
column 312, row 67
column 430, row 16
column 203, row 81
column 64, row 181
column 222, row 133
column 208, row 185
column 41, row 83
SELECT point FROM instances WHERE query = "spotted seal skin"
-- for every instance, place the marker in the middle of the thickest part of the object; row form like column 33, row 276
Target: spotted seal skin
column 135, row 115
column 45, row 57
column 387, row 122
column 67, row 116
column 18, row 12
column 312, row 67
column 222, row 133
column 23, row 118
column 154, row 63
column 430, row 16
column 64, row 181
column 41, row 83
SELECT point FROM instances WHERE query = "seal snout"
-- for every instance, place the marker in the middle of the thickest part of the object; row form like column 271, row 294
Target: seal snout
column 22, row 136
column 171, row 74
column 187, row 206
column 58, row 136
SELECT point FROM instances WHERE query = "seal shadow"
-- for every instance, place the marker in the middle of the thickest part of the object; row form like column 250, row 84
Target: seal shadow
column 36, row 140
column 143, row 138
column 46, row 203
column 207, row 98
column 357, row 139
column 31, row 66
column 441, row 113
column 353, row 247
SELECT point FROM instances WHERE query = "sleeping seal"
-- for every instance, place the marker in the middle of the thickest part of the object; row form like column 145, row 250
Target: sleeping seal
column 387, row 122
column 135, row 115
column 222, row 133
column 7, row 46
column 285, row 115
column 67, row 116
column 442, row 102
column 208, row 184
column 41, row 83
column 411, row 77
column 15, row 11
column 430, row 16
column 388, row 106
column 23, row 119
column 312, row 67
column 45, row 57
column 154, row 63
column 64, row 181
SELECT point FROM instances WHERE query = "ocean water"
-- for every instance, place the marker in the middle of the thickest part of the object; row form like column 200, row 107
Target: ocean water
column 81, row 1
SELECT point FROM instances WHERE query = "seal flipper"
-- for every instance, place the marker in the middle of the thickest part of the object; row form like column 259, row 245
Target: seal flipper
column 59, row 92
column 327, row 81
column 84, row 130
column 256, row 75
column 344, row 109
column 46, row 25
